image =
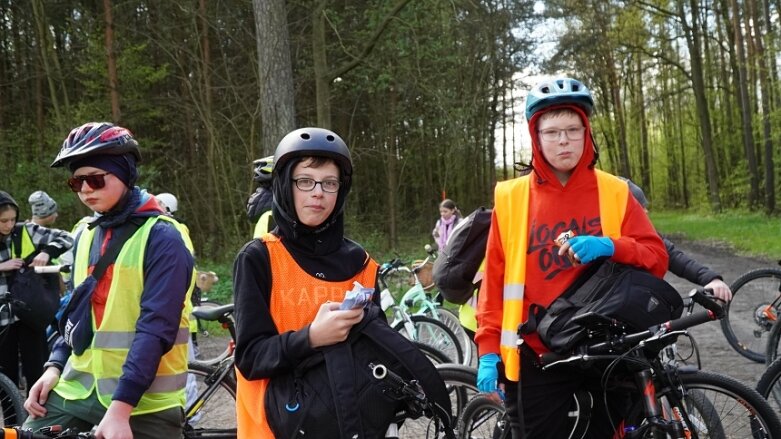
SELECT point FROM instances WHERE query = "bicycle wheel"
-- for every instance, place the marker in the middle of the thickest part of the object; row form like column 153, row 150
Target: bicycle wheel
column 433, row 333
column 714, row 406
column 11, row 403
column 483, row 418
column 433, row 354
column 460, row 382
column 450, row 319
column 211, row 404
column 769, row 385
column 756, row 297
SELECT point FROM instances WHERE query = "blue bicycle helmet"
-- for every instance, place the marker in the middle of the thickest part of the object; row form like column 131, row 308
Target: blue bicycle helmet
column 558, row 91
column 94, row 138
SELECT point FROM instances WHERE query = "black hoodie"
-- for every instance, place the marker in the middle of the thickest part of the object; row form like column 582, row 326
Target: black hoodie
column 321, row 251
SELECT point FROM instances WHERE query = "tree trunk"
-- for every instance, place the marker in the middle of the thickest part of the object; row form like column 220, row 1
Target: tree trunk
column 701, row 101
column 277, row 105
column 766, row 93
column 320, row 61
column 113, row 82
column 745, row 109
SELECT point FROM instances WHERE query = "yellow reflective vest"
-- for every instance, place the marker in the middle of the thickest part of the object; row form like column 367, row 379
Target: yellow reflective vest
column 262, row 226
column 100, row 366
column 512, row 197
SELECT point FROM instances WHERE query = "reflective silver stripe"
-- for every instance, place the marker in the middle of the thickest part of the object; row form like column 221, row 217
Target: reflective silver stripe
column 169, row 383
column 86, row 379
column 509, row 338
column 513, row 292
column 183, row 336
column 123, row 340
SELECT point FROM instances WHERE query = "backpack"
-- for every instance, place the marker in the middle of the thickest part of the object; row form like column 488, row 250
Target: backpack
column 39, row 293
column 337, row 384
column 457, row 264
column 621, row 292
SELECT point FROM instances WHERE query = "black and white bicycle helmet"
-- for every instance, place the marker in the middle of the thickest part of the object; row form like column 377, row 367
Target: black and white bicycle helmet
column 558, row 91
column 263, row 169
column 95, row 138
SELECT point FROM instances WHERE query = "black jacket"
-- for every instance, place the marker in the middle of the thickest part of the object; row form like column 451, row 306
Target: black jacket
column 687, row 268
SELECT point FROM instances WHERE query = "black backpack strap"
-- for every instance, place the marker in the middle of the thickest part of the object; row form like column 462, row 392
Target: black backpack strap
column 123, row 233
column 16, row 239
column 341, row 379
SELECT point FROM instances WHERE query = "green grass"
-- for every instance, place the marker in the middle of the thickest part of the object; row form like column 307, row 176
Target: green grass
column 753, row 234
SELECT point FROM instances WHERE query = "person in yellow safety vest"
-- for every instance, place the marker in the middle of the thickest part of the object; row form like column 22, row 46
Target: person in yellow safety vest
column 523, row 266
column 19, row 341
column 259, row 203
column 122, row 365
column 288, row 285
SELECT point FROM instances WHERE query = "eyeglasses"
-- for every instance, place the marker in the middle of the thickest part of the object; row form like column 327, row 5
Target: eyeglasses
column 95, row 181
column 554, row 134
column 308, row 184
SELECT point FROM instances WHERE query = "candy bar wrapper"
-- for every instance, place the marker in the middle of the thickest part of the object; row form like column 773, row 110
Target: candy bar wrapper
column 358, row 297
column 563, row 238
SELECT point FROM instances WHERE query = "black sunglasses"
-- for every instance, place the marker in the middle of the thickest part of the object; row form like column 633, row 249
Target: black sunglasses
column 95, row 181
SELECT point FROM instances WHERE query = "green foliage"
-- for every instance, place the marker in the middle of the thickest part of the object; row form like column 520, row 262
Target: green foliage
column 748, row 232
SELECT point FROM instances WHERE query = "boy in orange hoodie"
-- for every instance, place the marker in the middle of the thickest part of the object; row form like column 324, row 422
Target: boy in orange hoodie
column 563, row 192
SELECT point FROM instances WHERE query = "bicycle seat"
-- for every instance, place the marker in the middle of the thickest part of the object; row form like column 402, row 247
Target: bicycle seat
column 212, row 314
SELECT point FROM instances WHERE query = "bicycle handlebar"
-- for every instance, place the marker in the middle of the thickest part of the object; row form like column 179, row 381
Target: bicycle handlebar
column 52, row 269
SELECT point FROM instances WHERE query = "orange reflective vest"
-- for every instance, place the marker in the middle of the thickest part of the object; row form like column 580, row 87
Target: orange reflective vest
column 512, row 197
column 295, row 298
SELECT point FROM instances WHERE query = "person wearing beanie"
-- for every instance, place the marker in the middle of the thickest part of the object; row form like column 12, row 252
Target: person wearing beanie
column 19, row 340
column 524, row 266
column 121, row 363
column 44, row 208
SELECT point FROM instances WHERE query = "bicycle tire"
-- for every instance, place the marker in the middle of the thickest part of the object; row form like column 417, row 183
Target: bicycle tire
column 433, row 354
column 483, row 418
column 717, row 406
column 460, row 381
column 769, row 385
column 452, row 321
column 434, row 333
column 745, row 324
column 11, row 403
column 216, row 415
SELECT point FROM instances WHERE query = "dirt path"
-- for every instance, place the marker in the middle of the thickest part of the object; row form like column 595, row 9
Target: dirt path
column 716, row 354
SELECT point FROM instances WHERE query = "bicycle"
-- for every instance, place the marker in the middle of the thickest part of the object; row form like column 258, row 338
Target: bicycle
column 54, row 431
column 676, row 401
column 756, row 299
column 222, row 314
column 418, row 328
column 11, row 403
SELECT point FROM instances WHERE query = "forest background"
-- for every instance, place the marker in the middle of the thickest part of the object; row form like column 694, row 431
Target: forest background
column 427, row 93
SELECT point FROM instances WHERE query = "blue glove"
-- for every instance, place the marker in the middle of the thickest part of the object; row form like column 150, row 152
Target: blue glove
column 488, row 374
column 588, row 248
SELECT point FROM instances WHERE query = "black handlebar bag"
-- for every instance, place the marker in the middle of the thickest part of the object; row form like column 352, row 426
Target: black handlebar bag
column 39, row 293
column 622, row 292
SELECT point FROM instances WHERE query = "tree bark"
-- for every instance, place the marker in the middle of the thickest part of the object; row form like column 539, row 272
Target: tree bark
column 113, row 81
column 277, row 104
column 745, row 108
column 701, row 100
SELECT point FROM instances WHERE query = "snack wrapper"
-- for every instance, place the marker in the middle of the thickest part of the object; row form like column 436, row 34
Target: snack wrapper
column 358, row 297
column 563, row 238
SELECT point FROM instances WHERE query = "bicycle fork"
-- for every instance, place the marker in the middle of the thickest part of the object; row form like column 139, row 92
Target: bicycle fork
column 668, row 419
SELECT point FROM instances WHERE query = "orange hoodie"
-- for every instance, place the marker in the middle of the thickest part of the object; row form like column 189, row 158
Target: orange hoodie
column 553, row 209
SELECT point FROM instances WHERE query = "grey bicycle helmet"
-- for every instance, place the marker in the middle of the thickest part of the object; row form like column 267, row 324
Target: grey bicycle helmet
column 94, row 138
column 316, row 142
column 558, row 91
